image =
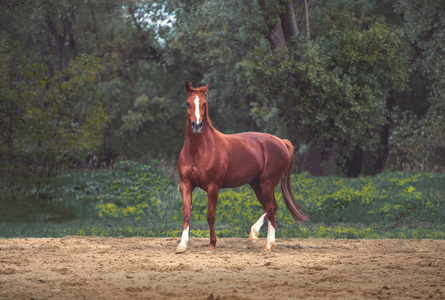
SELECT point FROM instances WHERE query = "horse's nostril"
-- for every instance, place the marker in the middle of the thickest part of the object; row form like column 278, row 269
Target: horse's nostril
column 196, row 125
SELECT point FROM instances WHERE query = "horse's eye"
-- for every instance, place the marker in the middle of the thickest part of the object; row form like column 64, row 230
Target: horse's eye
column 188, row 104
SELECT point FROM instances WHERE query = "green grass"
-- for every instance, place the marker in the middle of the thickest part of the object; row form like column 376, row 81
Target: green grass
column 137, row 200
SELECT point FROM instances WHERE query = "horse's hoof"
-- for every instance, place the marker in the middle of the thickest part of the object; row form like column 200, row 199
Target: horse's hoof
column 268, row 248
column 210, row 251
column 180, row 250
column 253, row 238
column 251, row 242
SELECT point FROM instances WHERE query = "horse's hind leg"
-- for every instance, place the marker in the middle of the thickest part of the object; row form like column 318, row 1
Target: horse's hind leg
column 270, row 241
column 265, row 194
column 255, row 229
column 271, row 204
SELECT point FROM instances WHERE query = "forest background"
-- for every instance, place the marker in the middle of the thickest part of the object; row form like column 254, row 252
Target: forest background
column 357, row 86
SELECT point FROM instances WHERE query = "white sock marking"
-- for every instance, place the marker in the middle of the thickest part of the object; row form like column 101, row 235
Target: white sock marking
column 257, row 226
column 270, row 233
column 184, row 238
column 197, row 108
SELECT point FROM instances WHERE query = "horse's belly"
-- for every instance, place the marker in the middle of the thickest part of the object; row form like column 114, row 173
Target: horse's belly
column 242, row 171
column 236, row 181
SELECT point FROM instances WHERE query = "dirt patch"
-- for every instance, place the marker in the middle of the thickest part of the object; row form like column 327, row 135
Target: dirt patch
column 147, row 268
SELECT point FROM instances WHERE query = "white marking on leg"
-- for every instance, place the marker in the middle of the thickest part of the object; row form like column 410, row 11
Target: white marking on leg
column 197, row 108
column 255, row 229
column 184, row 238
column 270, row 241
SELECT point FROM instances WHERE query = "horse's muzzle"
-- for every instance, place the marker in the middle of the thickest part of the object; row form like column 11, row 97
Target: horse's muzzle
column 196, row 127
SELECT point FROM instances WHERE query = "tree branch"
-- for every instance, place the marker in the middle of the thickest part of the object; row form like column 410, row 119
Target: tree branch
column 306, row 13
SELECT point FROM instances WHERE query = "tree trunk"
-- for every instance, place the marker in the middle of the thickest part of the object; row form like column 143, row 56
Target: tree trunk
column 288, row 21
column 11, row 155
column 275, row 34
column 306, row 14
column 319, row 159
column 355, row 165
column 60, row 41
column 383, row 152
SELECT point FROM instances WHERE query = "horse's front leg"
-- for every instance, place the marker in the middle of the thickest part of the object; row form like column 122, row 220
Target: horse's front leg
column 213, row 200
column 186, row 192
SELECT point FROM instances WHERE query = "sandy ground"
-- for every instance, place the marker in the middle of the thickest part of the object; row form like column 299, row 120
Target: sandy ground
column 147, row 268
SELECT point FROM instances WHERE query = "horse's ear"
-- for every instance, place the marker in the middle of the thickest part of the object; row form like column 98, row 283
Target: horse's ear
column 203, row 89
column 188, row 87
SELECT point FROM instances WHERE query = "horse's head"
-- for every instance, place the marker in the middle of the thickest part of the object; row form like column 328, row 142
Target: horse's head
column 196, row 106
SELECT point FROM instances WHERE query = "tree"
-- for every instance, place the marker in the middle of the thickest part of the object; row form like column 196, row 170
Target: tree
column 203, row 45
column 330, row 91
column 329, row 75
column 44, row 124
column 213, row 37
column 418, row 138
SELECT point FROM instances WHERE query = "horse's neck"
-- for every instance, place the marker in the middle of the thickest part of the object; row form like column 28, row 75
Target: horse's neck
column 202, row 141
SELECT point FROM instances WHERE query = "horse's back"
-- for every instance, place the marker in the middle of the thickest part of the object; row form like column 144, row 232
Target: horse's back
column 263, row 143
column 257, row 155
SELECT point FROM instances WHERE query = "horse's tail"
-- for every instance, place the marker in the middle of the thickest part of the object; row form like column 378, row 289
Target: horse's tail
column 291, row 204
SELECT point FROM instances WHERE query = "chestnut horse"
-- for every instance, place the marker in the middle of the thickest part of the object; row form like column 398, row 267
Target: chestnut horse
column 212, row 160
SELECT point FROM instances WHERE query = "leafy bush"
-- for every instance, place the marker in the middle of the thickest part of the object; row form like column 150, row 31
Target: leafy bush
column 47, row 121
column 130, row 190
column 137, row 200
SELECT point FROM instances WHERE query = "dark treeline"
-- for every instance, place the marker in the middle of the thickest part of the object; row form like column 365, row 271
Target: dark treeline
column 357, row 86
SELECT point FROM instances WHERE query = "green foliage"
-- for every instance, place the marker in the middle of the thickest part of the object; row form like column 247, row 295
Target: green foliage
column 47, row 120
column 418, row 142
column 130, row 190
column 202, row 45
column 418, row 138
column 423, row 23
column 338, row 82
column 208, row 42
column 389, row 197
column 137, row 200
